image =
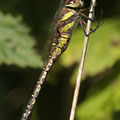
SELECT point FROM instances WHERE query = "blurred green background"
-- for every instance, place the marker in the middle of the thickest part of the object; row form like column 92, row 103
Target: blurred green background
column 24, row 44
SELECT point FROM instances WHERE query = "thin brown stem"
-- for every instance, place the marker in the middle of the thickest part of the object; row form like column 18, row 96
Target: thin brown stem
column 79, row 77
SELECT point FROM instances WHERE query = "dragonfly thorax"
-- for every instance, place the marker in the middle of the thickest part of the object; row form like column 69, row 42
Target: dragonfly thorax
column 74, row 3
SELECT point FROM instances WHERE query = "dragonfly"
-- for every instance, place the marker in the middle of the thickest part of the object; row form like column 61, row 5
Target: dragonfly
column 70, row 14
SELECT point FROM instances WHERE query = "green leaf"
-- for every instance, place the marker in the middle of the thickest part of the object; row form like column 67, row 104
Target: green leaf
column 103, row 48
column 16, row 43
column 103, row 103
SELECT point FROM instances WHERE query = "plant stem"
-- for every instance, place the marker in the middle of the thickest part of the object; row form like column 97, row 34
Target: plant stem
column 79, row 77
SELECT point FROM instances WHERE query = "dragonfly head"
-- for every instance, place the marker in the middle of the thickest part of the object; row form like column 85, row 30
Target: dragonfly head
column 74, row 3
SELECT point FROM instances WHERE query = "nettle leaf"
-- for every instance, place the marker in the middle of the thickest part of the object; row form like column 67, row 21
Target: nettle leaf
column 16, row 44
column 103, row 48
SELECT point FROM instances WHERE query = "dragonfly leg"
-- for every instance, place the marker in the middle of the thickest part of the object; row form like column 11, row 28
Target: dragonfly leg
column 91, row 30
column 82, row 23
column 82, row 14
column 84, row 9
column 98, row 24
column 93, row 20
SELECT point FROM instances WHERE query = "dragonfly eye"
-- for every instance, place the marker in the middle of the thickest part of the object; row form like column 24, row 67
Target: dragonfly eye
column 74, row 3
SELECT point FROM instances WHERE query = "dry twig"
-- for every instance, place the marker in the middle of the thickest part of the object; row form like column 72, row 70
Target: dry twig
column 79, row 77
